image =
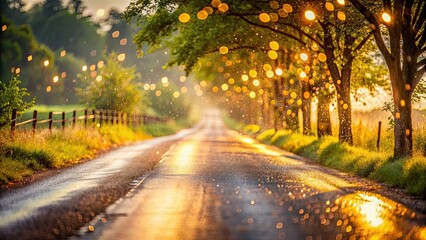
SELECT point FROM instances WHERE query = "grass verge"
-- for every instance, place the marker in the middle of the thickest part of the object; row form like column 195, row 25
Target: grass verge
column 22, row 156
column 409, row 174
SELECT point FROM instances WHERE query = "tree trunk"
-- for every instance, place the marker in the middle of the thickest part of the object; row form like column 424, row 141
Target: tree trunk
column 306, row 107
column 279, row 105
column 344, row 108
column 403, row 129
column 324, row 122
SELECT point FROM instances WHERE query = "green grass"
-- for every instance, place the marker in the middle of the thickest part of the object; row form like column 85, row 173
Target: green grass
column 409, row 174
column 19, row 158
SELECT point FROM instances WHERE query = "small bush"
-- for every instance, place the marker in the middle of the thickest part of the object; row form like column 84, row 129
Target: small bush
column 415, row 175
column 266, row 136
column 251, row 129
column 11, row 170
column 390, row 172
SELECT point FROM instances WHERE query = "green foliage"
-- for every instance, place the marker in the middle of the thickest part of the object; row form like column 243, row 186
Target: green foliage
column 251, row 129
column 17, row 43
column 25, row 154
column 86, row 42
column 390, row 172
column 415, row 175
column 71, row 65
column 11, row 170
column 167, row 105
column 233, row 124
column 161, row 129
column 20, row 157
column 12, row 97
column 116, row 90
column 266, row 136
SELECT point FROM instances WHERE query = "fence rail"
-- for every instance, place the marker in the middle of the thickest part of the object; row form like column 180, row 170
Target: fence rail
column 94, row 117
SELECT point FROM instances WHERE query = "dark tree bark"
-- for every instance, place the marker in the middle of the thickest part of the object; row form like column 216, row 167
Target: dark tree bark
column 324, row 122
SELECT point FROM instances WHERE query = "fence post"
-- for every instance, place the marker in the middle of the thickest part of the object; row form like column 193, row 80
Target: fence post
column 378, row 135
column 74, row 118
column 100, row 118
column 85, row 117
column 116, row 117
column 34, row 121
column 13, row 124
column 63, row 120
column 94, row 116
column 50, row 121
column 112, row 117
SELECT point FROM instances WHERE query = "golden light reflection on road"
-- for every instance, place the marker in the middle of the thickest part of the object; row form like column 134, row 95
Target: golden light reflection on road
column 378, row 217
column 183, row 158
column 372, row 209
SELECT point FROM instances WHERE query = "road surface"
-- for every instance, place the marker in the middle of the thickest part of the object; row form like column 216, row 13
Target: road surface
column 213, row 183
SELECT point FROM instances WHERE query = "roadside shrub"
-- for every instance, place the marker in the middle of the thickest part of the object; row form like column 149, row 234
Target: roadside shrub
column 415, row 175
column 251, row 129
column 266, row 136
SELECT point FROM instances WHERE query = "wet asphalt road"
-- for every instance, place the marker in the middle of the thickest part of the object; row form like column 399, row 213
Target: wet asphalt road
column 217, row 184
column 210, row 183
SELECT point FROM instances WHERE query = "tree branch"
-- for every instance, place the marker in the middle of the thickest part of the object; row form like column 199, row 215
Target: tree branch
column 269, row 28
column 235, row 49
column 362, row 43
column 422, row 41
column 375, row 27
column 420, row 64
column 420, row 21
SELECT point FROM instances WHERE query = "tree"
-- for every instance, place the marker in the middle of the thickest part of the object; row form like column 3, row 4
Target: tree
column 169, row 102
column 12, row 97
column 340, row 35
column 22, row 54
column 403, row 45
column 113, row 87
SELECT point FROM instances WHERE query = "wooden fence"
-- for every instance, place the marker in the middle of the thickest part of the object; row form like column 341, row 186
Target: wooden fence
column 87, row 117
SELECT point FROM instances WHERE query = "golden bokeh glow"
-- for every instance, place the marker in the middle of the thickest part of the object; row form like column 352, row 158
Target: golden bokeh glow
column 223, row 7
column 244, row 77
column 310, row 15
column 329, row 6
column 202, row 15
column 287, row 8
column 100, row 12
column 253, row 73
column 256, row 82
column 274, row 45
column 121, row 57
column 322, row 57
column 267, row 67
column 272, row 54
column 304, row 56
column 264, row 17
column 209, row 10
column 216, row 3
column 223, row 50
column 184, row 18
column 115, row 34
column 274, row 4
column 386, row 17
column 341, row 16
